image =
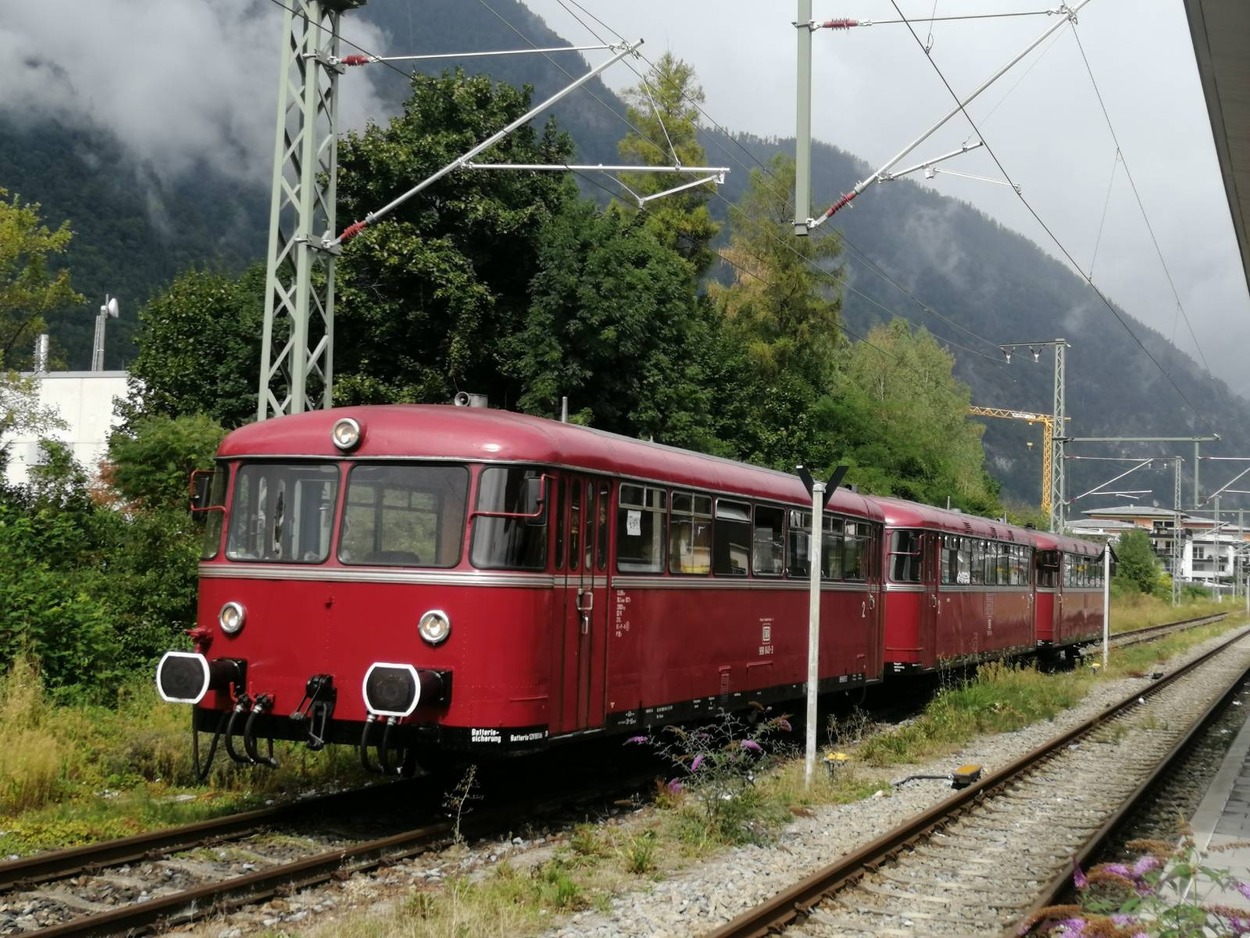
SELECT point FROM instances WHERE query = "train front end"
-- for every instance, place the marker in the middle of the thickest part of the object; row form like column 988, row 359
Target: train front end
column 340, row 601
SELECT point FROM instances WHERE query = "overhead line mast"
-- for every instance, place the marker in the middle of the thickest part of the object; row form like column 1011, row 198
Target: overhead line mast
column 297, row 364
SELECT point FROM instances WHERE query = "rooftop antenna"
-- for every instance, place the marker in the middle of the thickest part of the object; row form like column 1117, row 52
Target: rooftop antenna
column 107, row 311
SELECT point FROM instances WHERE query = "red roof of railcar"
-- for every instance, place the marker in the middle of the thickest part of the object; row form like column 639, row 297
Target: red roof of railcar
column 902, row 514
column 1044, row 540
column 440, row 431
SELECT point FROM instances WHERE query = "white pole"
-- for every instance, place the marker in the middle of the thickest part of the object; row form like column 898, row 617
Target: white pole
column 813, row 626
column 1106, row 602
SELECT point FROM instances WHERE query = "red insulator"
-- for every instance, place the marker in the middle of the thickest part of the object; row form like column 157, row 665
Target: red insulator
column 356, row 60
column 352, row 230
column 839, row 24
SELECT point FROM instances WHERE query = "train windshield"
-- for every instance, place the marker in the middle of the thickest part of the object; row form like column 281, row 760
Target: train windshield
column 282, row 512
column 404, row 515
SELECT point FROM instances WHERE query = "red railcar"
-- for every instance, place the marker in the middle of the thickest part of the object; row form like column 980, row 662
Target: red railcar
column 431, row 578
column 1069, row 586
column 957, row 588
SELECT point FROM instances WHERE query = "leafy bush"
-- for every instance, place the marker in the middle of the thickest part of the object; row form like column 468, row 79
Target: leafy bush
column 717, row 766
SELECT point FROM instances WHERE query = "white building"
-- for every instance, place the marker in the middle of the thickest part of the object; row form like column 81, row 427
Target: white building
column 84, row 400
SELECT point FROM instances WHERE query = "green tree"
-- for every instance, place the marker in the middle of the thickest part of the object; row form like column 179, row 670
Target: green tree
column 902, row 419
column 615, row 326
column 28, row 288
column 199, row 349
column 50, row 534
column 150, row 462
column 427, row 297
column 782, row 309
column 1136, row 563
column 663, row 110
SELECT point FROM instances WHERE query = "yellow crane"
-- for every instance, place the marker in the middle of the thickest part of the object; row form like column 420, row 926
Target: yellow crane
column 1048, row 435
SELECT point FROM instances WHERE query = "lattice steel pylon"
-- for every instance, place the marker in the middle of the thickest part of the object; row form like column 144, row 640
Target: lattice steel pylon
column 297, row 350
column 1048, row 434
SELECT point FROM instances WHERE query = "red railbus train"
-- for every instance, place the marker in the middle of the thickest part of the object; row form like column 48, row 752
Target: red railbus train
column 959, row 588
column 1069, row 589
column 421, row 578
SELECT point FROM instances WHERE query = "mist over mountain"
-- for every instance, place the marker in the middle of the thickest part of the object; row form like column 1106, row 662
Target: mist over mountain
column 146, row 204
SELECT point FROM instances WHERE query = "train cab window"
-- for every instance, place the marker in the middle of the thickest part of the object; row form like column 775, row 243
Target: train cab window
column 404, row 515
column 282, row 513
column 210, row 540
column 905, row 556
column 731, row 538
column 768, row 546
column 509, row 529
column 640, row 529
column 690, row 534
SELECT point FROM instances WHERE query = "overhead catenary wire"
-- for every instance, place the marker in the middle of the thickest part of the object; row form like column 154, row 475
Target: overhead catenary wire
column 994, row 359
column 1198, row 414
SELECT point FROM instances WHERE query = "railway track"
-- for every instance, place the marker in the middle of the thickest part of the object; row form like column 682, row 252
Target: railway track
column 159, row 881
column 981, row 861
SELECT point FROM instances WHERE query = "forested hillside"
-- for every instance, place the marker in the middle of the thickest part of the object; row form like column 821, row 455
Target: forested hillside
column 134, row 233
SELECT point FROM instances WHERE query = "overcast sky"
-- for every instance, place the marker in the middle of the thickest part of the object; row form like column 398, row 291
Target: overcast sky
column 182, row 80
column 875, row 93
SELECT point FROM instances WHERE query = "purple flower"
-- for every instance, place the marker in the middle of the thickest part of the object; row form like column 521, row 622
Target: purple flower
column 1079, row 879
column 674, row 786
column 1240, row 926
column 1073, row 926
column 1146, row 864
column 784, row 724
column 698, row 761
column 1118, row 869
column 1244, row 889
column 635, row 739
column 1120, row 919
column 750, row 745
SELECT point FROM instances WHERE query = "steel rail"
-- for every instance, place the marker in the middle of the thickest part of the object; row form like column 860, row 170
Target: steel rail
column 793, row 905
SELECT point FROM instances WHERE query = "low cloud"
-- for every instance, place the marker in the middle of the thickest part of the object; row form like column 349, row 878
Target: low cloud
column 182, row 83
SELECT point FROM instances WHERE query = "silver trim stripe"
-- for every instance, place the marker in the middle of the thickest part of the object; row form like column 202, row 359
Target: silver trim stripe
column 319, row 574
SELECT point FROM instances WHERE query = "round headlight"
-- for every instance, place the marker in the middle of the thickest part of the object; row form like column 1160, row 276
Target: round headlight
column 346, row 434
column 231, row 617
column 434, row 626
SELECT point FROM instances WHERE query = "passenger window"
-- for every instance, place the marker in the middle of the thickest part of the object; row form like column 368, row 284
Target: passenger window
column 855, row 542
column 690, row 534
column 832, row 550
column 732, row 537
column 799, row 537
column 768, row 545
column 905, row 556
column 640, row 529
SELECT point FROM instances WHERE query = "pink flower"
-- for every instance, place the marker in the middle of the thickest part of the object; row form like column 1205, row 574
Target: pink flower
column 635, row 739
column 1146, row 864
column 784, row 724
column 1079, row 879
column 674, row 787
column 1244, row 889
column 698, row 761
column 750, row 745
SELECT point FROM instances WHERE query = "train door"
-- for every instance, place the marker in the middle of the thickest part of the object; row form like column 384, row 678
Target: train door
column 585, row 514
column 931, row 604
